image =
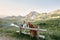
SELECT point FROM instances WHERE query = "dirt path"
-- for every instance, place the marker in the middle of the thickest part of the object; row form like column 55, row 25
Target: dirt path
column 7, row 38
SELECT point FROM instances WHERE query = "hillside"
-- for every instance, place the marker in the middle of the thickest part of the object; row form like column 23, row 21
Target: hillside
column 31, row 16
column 55, row 13
column 52, row 26
column 35, row 16
column 50, row 15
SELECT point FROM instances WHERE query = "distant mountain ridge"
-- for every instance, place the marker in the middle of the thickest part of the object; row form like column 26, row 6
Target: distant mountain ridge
column 55, row 11
column 50, row 15
column 36, row 16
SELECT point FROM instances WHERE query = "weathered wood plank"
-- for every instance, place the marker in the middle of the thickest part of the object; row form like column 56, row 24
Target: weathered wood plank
column 43, row 30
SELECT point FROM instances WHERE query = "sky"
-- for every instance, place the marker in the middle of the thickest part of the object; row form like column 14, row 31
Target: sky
column 23, row 7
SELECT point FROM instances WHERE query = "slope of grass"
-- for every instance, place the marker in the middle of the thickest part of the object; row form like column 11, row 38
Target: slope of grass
column 11, row 32
column 53, row 28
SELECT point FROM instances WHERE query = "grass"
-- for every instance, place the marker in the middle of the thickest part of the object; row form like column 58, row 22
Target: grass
column 11, row 32
column 52, row 26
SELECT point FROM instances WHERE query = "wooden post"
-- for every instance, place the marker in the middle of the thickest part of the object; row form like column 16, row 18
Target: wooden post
column 19, row 30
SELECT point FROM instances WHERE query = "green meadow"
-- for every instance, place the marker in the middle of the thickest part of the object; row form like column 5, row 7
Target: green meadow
column 52, row 33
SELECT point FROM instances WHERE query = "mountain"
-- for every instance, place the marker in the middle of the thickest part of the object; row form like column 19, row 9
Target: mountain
column 32, row 15
column 55, row 12
column 10, row 17
column 35, row 16
column 14, row 17
column 50, row 15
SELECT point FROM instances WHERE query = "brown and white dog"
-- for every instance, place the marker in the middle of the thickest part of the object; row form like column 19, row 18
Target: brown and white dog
column 32, row 32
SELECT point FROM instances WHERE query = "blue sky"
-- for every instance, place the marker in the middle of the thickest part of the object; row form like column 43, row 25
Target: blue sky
column 23, row 7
